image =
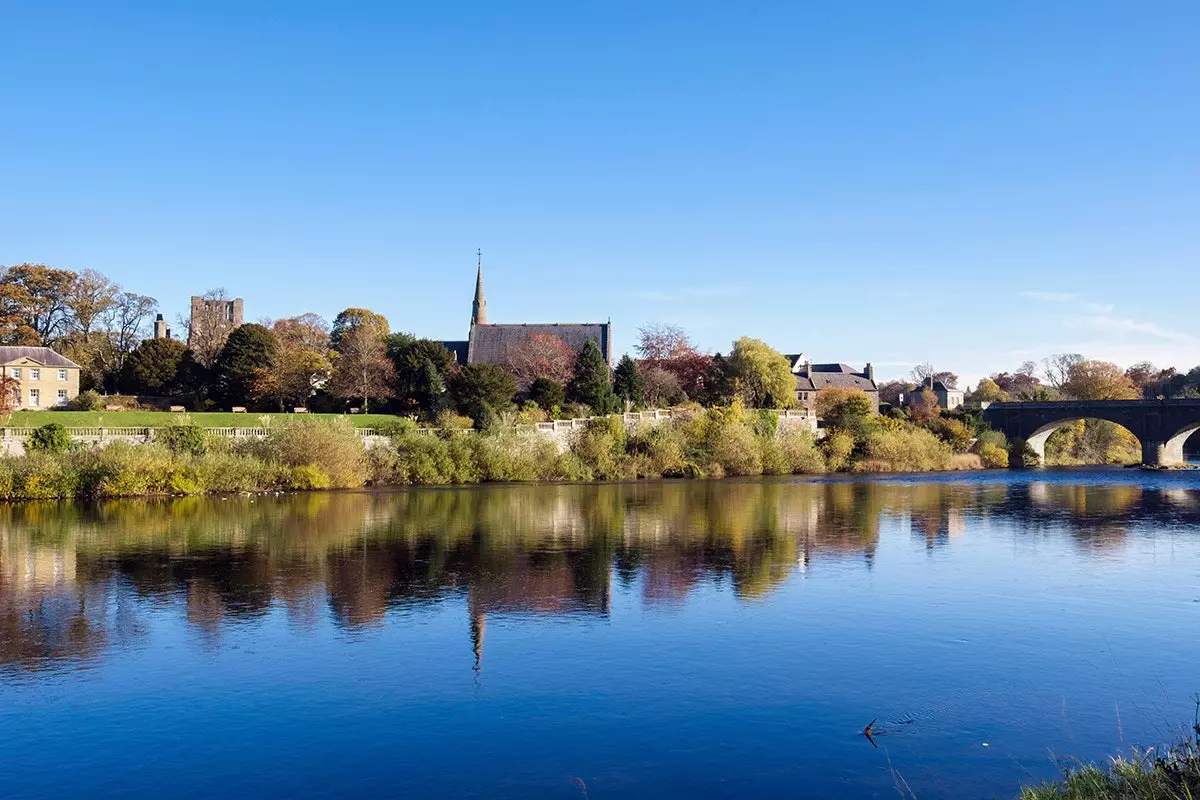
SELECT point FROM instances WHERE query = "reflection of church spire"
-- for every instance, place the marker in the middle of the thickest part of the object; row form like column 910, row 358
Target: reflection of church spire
column 479, row 307
column 478, row 627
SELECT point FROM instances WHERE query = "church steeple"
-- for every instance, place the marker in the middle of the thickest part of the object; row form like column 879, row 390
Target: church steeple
column 479, row 307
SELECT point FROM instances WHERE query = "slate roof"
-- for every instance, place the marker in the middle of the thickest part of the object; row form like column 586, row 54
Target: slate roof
column 43, row 355
column 489, row 344
column 841, row 380
column 458, row 349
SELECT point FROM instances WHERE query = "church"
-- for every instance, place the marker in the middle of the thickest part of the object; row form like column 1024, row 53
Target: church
column 489, row 343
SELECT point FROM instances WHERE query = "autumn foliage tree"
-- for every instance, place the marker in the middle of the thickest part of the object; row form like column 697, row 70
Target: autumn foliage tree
column 667, row 347
column 1098, row 380
column 540, row 355
column 362, row 370
column 302, row 362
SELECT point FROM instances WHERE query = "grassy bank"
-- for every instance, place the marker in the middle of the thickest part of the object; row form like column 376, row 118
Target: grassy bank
column 159, row 419
column 319, row 453
column 1170, row 773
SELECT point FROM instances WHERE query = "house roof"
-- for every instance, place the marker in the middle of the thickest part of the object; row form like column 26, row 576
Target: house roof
column 458, row 350
column 829, row 379
column 938, row 386
column 490, row 344
column 42, row 355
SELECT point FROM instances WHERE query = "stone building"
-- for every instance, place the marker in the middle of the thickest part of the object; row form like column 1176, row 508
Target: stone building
column 490, row 343
column 213, row 319
column 161, row 329
column 948, row 397
column 44, row 378
column 812, row 378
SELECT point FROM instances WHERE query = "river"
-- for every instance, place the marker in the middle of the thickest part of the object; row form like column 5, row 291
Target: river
column 701, row 639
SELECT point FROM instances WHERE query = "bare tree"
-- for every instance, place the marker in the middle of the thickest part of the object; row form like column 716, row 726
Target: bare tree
column 125, row 323
column 362, row 368
column 1058, row 368
column 89, row 299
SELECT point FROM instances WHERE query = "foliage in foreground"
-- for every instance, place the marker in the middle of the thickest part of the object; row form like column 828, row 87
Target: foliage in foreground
column 1170, row 773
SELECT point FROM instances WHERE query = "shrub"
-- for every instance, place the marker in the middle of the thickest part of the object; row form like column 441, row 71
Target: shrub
column 189, row 439
column 334, row 446
column 547, row 393
column 392, row 427
column 87, row 400
column 309, row 476
column 953, row 432
column 663, row 449
column 601, row 447
column 989, row 436
column 910, row 450
column 803, row 455
column 992, row 455
column 49, row 438
column 838, row 445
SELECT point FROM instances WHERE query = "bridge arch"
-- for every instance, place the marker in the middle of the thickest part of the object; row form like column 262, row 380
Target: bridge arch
column 1173, row 449
column 1037, row 440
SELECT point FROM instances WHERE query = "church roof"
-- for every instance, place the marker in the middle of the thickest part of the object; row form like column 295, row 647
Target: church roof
column 490, row 344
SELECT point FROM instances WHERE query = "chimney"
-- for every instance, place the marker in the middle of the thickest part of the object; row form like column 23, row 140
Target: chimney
column 808, row 369
column 870, row 372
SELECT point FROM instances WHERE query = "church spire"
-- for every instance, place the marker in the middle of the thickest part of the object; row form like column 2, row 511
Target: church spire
column 479, row 307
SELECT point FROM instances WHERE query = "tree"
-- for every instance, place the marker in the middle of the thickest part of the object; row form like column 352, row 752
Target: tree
column 354, row 318
column 249, row 349
column 923, row 373
column 1058, row 368
column 763, row 373
column 988, row 391
column 482, row 389
column 420, row 369
column 891, row 391
column 89, row 298
column 362, row 369
column 1098, row 380
column 668, row 347
column 1143, row 374
column 208, row 330
column 547, row 394
column 1023, row 384
column 661, row 388
column 33, row 304
column 843, row 408
column 627, row 382
column 923, row 407
column 302, row 363
column 591, row 383
column 720, row 384
column 540, row 355
column 153, row 368
column 10, row 389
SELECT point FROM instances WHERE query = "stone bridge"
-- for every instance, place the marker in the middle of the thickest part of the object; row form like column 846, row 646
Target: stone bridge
column 1162, row 426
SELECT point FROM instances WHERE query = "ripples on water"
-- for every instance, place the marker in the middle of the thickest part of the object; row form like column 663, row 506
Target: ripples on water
column 695, row 638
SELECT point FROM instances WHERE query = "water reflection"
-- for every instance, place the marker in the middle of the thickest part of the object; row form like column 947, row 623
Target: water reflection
column 75, row 581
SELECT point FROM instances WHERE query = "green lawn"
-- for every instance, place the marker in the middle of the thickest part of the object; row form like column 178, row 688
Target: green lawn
column 155, row 419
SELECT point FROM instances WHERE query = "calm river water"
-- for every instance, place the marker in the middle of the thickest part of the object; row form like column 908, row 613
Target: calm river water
column 699, row 639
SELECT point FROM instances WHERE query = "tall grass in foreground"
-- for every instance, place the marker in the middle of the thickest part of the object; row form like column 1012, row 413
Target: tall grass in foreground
column 1169, row 773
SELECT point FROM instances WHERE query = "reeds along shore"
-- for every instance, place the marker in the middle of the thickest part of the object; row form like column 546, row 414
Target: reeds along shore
column 323, row 454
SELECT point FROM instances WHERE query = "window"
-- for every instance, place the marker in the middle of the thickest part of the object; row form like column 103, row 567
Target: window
column 62, row 397
column 17, row 373
column 35, row 398
column 62, row 374
column 35, row 374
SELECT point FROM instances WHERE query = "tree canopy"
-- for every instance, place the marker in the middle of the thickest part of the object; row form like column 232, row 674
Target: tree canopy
column 764, row 375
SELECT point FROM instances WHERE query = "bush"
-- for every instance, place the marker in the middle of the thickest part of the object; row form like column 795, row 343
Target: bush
column 909, row 450
column 992, row 455
column 309, row 476
column 333, row 446
column 601, row 448
column 87, row 400
column 838, row 445
column 189, row 439
column 803, row 455
column 953, row 432
column 49, row 438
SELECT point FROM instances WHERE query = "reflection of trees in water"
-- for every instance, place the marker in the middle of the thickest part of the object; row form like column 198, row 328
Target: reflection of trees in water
column 498, row 550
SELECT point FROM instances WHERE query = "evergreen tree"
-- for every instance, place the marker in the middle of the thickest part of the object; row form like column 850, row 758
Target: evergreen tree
column 481, row 391
column 249, row 349
column 548, row 394
column 153, row 368
column 591, row 384
column 719, row 384
column 627, row 382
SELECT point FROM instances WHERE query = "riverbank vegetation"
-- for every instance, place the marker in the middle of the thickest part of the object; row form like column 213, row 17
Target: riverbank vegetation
column 1167, row 773
column 316, row 453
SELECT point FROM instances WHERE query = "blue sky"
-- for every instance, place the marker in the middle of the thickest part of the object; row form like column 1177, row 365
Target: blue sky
column 970, row 184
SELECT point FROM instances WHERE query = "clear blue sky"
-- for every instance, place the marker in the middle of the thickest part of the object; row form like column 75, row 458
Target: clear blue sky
column 967, row 183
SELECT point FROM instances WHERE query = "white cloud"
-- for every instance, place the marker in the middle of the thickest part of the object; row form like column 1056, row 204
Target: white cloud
column 1052, row 297
column 1108, row 323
